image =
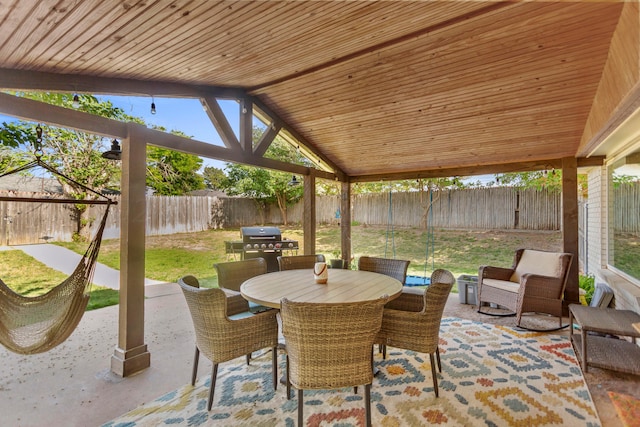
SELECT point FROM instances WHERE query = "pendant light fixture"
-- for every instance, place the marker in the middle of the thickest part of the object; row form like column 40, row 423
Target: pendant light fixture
column 115, row 153
column 294, row 181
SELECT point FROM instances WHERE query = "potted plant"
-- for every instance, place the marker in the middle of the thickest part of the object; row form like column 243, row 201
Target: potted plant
column 336, row 261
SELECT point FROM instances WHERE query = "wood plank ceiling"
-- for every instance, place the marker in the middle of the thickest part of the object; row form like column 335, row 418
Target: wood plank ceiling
column 380, row 88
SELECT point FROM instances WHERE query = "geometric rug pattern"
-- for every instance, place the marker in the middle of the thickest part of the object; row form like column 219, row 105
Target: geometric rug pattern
column 491, row 376
column 627, row 407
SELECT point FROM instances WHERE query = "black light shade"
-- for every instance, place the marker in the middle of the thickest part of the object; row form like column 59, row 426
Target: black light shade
column 76, row 101
column 115, row 153
column 153, row 108
column 294, row 181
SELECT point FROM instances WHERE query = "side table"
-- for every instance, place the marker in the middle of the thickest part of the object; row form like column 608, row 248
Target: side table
column 607, row 353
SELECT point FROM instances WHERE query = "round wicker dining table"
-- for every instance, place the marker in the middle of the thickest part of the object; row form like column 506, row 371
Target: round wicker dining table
column 299, row 285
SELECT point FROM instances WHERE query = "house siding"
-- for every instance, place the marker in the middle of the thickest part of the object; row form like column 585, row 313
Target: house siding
column 626, row 293
column 596, row 221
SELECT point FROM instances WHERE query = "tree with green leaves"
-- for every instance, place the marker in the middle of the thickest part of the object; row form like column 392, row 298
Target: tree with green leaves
column 214, row 178
column 14, row 135
column 540, row 180
column 173, row 173
column 266, row 186
column 550, row 180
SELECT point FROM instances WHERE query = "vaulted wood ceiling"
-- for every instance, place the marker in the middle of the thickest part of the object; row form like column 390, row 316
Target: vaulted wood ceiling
column 380, row 89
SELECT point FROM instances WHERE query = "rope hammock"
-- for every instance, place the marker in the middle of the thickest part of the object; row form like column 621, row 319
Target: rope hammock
column 30, row 325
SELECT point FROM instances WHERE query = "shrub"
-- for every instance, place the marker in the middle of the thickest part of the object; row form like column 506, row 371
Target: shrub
column 588, row 284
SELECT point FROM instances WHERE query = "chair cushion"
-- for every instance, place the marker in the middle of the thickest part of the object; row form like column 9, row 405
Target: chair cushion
column 538, row 262
column 504, row 285
column 257, row 308
column 412, row 291
column 242, row 315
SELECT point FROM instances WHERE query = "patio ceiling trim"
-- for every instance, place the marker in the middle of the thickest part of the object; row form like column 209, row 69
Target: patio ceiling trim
column 628, row 108
column 480, row 170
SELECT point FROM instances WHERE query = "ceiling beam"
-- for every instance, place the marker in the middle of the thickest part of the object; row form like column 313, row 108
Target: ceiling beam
column 204, row 149
column 220, row 122
column 36, row 111
column 478, row 170
column 266, row 139
column 23, row 80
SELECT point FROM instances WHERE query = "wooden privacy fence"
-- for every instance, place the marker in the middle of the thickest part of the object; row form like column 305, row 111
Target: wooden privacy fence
column 29, row 222
column 495, row 208
column 487, row 208
column 627, row 208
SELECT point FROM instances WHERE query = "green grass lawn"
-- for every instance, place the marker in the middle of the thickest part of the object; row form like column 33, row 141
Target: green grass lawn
column 169, row 257
column 28, row 277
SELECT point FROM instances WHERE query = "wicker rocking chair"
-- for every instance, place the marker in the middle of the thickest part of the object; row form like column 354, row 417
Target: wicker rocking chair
column 535, row 283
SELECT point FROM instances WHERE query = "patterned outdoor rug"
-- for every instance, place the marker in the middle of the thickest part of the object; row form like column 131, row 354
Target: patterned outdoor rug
column 491, row 375
column 627, row 407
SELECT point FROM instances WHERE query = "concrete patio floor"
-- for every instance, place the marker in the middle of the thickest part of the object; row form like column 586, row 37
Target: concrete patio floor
column 72, row 385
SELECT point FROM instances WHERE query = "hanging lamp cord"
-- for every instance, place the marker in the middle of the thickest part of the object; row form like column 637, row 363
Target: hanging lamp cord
column 37, row 146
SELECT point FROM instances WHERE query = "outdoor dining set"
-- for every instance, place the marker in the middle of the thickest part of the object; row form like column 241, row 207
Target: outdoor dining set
column 329, row 329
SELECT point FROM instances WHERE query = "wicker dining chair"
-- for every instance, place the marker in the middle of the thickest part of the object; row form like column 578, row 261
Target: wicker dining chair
column 420, row 331
column 221, row 338
column 396, row 268
column 232, row 274
column 329, row 346
column 296, row 262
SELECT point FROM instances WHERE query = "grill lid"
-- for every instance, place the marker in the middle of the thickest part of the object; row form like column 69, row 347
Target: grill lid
column 260, row 233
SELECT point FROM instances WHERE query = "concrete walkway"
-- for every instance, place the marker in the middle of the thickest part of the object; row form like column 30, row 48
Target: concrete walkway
column 65, row 260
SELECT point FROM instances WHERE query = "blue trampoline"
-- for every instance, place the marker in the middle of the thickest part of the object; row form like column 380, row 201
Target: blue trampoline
column 417, row 281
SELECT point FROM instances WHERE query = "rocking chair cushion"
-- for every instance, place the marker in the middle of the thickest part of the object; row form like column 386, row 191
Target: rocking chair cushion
column 538, row 262
column 504, row 285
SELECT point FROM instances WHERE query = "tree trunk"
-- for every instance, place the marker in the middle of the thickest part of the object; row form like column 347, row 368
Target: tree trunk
column 282, row 205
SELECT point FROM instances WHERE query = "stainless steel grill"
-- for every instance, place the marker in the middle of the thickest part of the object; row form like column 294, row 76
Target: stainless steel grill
column 262, row 242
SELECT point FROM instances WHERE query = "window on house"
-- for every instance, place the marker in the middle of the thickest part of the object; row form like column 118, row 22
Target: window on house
column 624, row 215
